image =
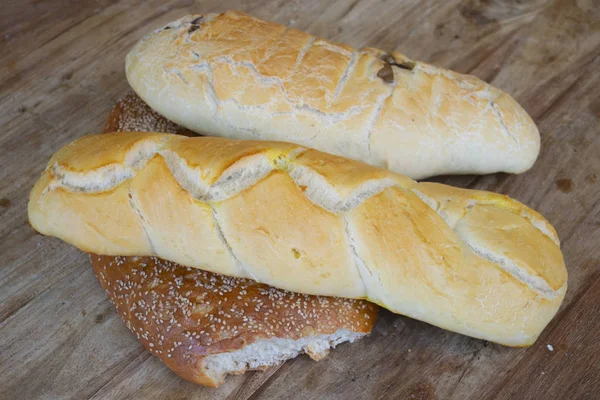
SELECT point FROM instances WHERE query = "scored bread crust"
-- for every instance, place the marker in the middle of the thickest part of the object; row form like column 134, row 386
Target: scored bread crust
column 216, row 325
column 473, row 262
column 198, row 322
column 236, row 76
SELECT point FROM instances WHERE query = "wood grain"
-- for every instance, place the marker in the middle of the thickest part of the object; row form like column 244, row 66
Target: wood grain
column 61, row 71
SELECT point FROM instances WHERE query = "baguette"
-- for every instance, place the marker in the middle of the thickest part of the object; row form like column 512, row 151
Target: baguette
column 218, row 325
column 468, row 261
column 236, row 76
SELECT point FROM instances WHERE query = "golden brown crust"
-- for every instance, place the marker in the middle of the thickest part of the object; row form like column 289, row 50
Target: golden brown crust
column 236, row 76
column 182, row 315
column 473, row 262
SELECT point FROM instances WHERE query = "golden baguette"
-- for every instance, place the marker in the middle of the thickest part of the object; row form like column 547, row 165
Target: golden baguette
column 473, row 262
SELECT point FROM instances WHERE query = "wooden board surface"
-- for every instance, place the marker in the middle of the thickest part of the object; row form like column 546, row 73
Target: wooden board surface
column 61, row 71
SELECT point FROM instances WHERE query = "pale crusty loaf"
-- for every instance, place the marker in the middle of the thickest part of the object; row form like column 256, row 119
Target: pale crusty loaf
column 236, row 76
column 473, row 262
column 204, row 325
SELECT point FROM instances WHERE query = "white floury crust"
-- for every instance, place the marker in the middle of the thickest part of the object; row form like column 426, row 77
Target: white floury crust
column 236, row 76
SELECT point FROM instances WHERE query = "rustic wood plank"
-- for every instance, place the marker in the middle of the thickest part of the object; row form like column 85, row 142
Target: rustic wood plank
column 61, row 68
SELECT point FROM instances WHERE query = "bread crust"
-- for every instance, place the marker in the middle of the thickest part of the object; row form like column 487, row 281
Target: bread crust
column 184, row 315
column 473, row 262
column 236, row 76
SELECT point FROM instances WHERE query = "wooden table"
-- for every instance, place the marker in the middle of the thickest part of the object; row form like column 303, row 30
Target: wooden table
column 61, row 71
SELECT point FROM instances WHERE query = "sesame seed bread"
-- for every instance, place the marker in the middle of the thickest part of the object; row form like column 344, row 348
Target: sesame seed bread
column 131, row 114
column 472, row 262
column 204, row 326
column 236, row 76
